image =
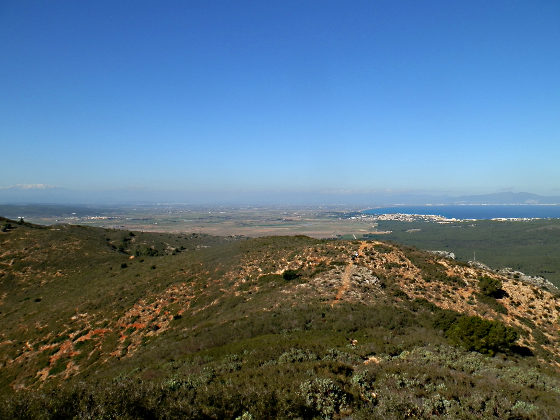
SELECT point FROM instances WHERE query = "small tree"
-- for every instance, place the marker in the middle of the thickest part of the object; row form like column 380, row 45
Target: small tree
column 477, row 334
column 489, row 286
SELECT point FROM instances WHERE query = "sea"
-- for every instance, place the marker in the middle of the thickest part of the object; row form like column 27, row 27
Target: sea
column 528, row 211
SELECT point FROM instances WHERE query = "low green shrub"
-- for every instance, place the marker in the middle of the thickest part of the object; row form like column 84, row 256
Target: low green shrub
column 297, row 356
column 323, row 396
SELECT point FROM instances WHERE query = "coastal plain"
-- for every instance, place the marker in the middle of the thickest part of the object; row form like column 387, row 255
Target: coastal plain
column 528, row 245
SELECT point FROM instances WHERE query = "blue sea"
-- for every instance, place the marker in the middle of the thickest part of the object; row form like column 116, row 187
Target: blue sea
column 476, row 211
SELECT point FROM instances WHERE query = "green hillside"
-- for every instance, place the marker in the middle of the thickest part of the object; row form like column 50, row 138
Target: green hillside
column 102, row 323
column 532, row 246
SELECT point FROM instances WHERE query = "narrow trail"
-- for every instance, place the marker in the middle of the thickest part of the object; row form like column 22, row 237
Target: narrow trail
column 347, row 276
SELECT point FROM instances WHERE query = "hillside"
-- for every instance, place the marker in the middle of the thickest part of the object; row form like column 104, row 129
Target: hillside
column 531, row 246
column 117, row 324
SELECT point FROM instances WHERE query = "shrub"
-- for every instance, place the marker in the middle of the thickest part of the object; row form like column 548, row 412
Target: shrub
column 147, row 251
column 323, row 396
column 489, row 286
column 436, row 406
column 245, row 416
column 290, row 275
column 269, row 278
column 297, row 356
column 59, row 366
column 364, row 381
column 477, row 334
column 340, row 356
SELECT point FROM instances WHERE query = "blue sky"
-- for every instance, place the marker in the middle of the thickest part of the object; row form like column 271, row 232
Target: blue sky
column 321, row 96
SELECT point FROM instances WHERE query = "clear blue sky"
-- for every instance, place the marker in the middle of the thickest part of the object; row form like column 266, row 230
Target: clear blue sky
column 456, row 96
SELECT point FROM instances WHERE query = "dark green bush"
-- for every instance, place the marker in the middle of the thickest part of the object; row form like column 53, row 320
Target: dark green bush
column 477, row 334
column 489, row 286
column 290, row 275
column 147, row 251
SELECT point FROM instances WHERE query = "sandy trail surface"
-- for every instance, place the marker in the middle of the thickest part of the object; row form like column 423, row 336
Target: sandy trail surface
column 347, row 276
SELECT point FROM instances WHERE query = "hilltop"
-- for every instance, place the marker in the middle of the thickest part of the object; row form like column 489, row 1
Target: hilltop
column 119, row 324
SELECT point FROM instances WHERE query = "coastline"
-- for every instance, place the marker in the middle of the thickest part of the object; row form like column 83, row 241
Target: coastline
column 466, row 212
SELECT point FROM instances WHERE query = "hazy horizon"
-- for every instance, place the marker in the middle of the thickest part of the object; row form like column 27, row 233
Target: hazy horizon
column 22, row 195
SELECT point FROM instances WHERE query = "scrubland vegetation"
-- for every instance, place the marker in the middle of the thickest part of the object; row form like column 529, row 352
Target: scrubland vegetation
column 95, row 325
column 529, row 246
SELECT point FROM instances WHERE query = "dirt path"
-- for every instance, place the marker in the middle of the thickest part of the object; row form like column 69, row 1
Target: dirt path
column 347, row 276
